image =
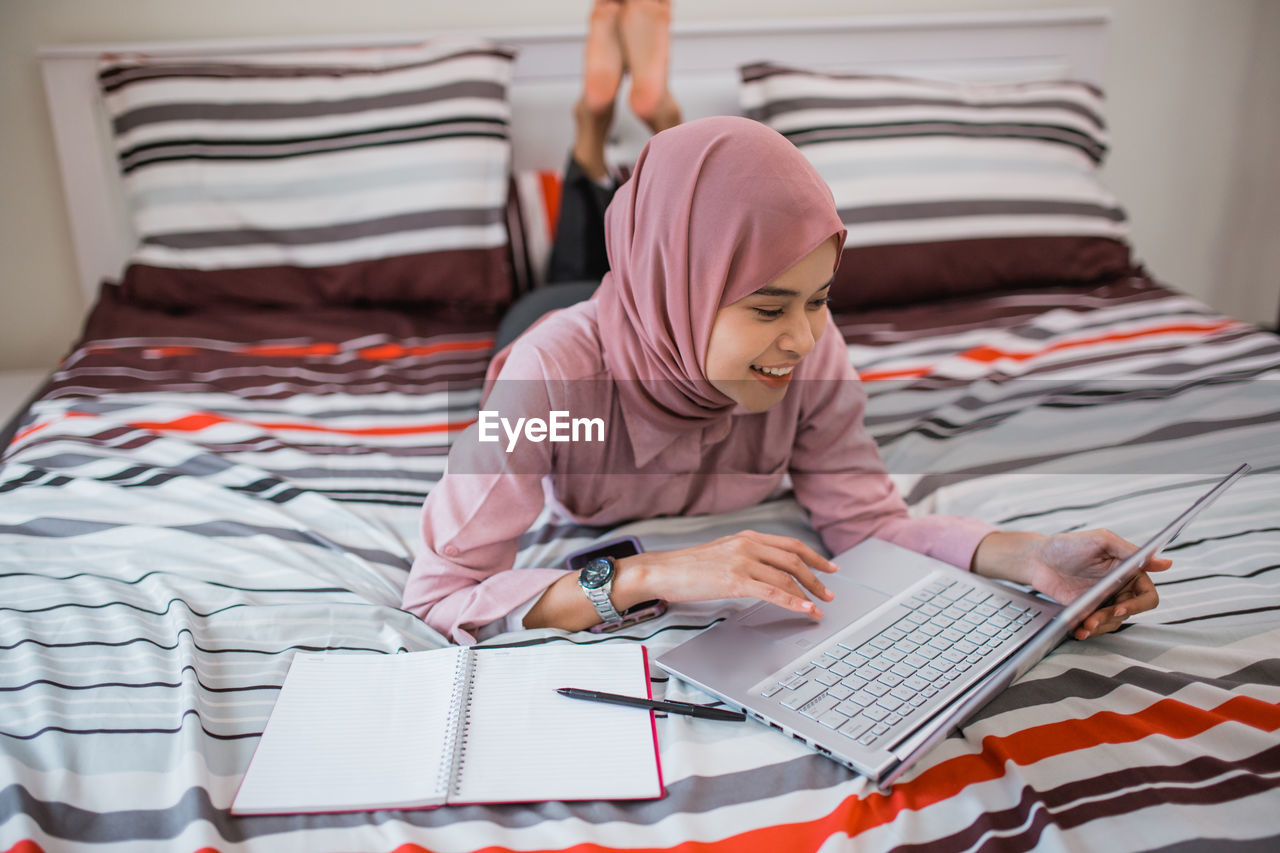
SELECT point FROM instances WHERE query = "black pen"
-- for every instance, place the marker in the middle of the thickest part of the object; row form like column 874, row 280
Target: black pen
column 686, row 708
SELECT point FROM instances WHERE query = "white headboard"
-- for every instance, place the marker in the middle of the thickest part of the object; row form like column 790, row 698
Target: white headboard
column 705, row 57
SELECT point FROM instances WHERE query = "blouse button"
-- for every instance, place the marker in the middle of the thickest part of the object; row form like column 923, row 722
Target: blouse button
column 451, row 550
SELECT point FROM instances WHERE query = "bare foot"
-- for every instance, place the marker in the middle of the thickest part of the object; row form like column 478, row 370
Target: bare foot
column 602, row 62
column 602, row 67
column 646, row 40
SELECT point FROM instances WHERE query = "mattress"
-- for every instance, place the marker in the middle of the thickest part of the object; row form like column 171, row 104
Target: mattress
column 197, row 496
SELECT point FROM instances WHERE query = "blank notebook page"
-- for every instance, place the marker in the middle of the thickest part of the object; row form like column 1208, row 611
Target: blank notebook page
column 524, row 737
column 353, row 730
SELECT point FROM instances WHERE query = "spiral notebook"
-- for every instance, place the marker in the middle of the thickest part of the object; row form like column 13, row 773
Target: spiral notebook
column 450, row 726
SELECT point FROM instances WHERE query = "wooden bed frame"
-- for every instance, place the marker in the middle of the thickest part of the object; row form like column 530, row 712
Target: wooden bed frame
column 997, row 47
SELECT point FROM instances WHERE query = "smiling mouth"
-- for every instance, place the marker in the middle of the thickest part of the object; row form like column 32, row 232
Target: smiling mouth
column 773, row 377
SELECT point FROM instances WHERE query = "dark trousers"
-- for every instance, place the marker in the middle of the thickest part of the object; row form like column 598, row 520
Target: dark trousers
column 578, row 258
column 577, row 253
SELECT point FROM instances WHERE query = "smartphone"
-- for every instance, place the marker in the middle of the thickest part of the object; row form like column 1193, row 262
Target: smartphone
column 617, row 549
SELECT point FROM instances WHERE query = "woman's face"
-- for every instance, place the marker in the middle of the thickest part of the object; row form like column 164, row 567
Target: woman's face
column 758, row 340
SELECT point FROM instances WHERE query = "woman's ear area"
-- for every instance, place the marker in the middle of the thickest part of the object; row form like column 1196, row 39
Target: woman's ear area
column 836, row 242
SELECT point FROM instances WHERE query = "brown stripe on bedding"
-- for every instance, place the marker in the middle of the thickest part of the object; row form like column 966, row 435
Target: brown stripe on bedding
column 522, row 266
column 1261, row 346
column 263, row 444
column 1201, row 781
column 1149, row 786
column 387, row 280
column 1082, row 462
column 1084, row 685
column 783, row 106
column 400, row 222
column 1046, row 133
column 115, row 318
column 116, row 76
column 281, row 110
column 1057, row 393
column 1037, row 386
column 276, row 148
column 891, row 323
column 902, row 273
column 264, row 380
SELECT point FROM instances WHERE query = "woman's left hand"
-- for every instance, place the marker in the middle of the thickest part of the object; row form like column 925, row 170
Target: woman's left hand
column 1064, row 565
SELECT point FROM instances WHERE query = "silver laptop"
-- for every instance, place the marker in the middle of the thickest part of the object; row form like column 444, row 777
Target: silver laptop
column 909, row 649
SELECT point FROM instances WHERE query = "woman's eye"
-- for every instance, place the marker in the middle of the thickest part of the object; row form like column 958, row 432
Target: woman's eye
column 769, row 313
column 818, row 303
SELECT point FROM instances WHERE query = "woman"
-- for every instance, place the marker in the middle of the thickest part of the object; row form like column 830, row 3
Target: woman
column 710, row 356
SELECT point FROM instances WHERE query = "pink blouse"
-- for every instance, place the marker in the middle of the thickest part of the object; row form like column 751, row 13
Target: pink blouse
column 462, row 578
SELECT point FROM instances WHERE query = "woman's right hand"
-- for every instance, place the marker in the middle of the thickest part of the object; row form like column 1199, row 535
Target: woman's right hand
column 777, row 569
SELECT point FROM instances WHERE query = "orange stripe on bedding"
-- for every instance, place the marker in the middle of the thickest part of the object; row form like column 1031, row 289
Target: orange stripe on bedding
column 196, row 423
column 26, row 845
column 854, row 815
column 292, row 351
column 381, row 352
column 168, row 352
column 551, row 185
column 905, row 373
column 1167, row 717
column 391, row 351
column 31, row 430
column 988, row 355
column 314, row 350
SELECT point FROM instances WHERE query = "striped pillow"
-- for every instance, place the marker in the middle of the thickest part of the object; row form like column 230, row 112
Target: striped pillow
column 537, row 195
column 951, row 188
column 316, row 177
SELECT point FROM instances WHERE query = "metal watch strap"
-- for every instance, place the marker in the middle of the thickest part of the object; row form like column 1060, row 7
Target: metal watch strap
column 604, row 606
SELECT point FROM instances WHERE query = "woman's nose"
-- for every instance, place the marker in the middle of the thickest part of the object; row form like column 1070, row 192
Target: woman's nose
column 798, row 337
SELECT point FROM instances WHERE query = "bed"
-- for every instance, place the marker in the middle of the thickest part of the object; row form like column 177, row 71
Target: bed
column 203, row 488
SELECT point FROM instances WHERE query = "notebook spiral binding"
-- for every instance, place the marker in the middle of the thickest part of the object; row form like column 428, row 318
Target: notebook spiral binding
column 459, row 719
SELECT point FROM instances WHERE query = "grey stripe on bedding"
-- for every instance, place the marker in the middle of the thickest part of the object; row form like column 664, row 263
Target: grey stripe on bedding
column 1066, row 136
column 976, row 207
column 277, row 110
column 114, row 75
column 236, row 149
column 788, row 105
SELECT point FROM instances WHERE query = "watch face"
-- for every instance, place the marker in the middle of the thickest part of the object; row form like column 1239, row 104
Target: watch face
column 596, row 573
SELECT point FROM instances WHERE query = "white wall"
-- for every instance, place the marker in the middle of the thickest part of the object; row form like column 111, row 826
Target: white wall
column 1192, row 84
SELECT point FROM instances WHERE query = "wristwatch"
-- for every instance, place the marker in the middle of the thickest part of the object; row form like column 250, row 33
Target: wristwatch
column 596, row 580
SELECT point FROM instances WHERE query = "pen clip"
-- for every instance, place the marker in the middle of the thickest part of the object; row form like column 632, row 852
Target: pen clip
column 692, row 705
column 707, row 711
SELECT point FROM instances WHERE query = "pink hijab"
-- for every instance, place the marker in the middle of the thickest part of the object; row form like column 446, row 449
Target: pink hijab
column 715, row 209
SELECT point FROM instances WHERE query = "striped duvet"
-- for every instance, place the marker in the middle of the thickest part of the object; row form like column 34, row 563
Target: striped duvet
column 196, row 498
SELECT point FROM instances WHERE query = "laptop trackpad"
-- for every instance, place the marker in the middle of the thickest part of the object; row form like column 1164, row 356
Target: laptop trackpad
column 852, row 602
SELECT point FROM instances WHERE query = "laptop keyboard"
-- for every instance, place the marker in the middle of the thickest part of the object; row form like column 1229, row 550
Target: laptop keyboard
column 867, row 689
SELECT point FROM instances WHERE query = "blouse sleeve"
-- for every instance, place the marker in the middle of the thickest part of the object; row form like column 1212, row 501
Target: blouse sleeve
column 840, row 479
column 462, row 578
